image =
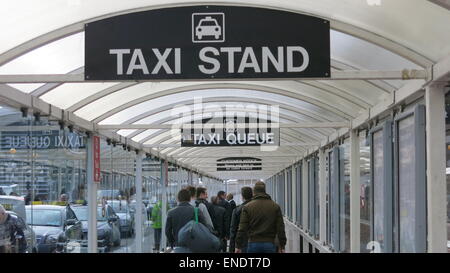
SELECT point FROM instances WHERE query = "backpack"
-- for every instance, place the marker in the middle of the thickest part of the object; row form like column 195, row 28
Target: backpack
column 197, row 238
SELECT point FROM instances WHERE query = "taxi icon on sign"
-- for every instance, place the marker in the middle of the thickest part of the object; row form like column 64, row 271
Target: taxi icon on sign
column 208, row 27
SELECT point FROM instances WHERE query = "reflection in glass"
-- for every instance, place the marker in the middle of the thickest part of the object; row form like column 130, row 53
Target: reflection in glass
column 365, row 200
column 407, row 187
column 378, row 185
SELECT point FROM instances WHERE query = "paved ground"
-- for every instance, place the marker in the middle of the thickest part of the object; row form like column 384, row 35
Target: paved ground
column 128, row 244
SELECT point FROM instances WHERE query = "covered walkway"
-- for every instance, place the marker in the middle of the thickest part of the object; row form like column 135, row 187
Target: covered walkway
column 361, row 161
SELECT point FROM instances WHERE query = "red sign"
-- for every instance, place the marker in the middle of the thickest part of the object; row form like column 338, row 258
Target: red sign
column 166, row 171
column 96, row 142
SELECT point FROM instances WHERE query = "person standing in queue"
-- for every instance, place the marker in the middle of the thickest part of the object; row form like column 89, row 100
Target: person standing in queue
column 156, row 218
column 192, row 190
column 179, row 216
column 263, row 221
column 232, row 203
column 221, row 221
column 205, row 208
column 224, row 204
column 247, row 195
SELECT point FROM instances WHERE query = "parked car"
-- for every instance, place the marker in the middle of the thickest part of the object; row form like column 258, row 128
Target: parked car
column 54, row 226
column 108, row 194
column 123, row 210
column 108, row 226
column 16, row 206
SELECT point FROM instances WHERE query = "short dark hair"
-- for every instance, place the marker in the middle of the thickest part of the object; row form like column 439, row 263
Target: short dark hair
column 199, row 191
column 214, row 200
column 259, row 187
column 220, row 193
column 247, row 193
column 191, row 190
column 184, row 196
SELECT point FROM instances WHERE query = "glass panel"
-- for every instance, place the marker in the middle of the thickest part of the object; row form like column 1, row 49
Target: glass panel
column 345, row 196
column 365, row 195
column 42, row 168
column 378, row 187
column 316, row 199
column 333, row 200
column 407, row 185
column 299, row 194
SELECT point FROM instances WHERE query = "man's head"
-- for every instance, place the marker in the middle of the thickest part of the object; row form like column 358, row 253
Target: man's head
column 201, row 193
column 247, row 193
column 64, row 198
column 221, row 194
column 214, row 200
column 192, row 191
column 229, row 196
column 259, row 187
column 184, row 196
column 3, row 215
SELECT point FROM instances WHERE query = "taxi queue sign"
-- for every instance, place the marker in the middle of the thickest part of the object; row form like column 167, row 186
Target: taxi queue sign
column 207, row 42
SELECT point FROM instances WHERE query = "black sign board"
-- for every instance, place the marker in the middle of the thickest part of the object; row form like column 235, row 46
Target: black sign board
column 239, row 164
column 207, row 42
column 230, row 134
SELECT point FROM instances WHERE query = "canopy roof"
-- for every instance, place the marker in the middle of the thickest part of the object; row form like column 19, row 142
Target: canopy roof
column 383, row 37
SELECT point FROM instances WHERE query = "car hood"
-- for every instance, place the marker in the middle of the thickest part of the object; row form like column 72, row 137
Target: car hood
column 100, row 225
column 45, row 230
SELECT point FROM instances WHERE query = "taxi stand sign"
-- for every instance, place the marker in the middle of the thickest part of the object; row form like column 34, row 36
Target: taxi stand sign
column 207, row 42
column 96, row 151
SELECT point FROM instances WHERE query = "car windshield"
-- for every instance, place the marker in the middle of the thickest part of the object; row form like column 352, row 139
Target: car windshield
column 108, row 193
column 44, row 217
column 82, row 213
column 120, row 207
column 208, row 23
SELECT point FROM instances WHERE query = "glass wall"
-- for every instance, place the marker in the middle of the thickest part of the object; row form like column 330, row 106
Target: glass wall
column 365, row 193
column 42, row 171
column 447, row 130
column 298, row 195
column 345, row 195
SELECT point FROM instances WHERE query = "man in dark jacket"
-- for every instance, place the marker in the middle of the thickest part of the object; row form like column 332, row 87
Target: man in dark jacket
column 180, row 216
column 224, row 204
column 231, row 202
column 262, row 220
column 247, row 195
column 221, row 221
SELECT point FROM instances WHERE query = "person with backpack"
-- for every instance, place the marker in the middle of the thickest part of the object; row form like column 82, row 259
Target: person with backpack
column 192, row 190
column 179, row 216
column 247, row 196
column 222, row 222
column 205, row 208
column 261, row 222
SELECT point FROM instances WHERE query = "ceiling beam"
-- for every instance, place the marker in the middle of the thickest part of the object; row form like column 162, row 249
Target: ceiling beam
column 188, row 126
column 406, row 74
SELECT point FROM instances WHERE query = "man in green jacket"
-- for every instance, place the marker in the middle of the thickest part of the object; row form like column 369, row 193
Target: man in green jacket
column 262, row 221
column 157, row 224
